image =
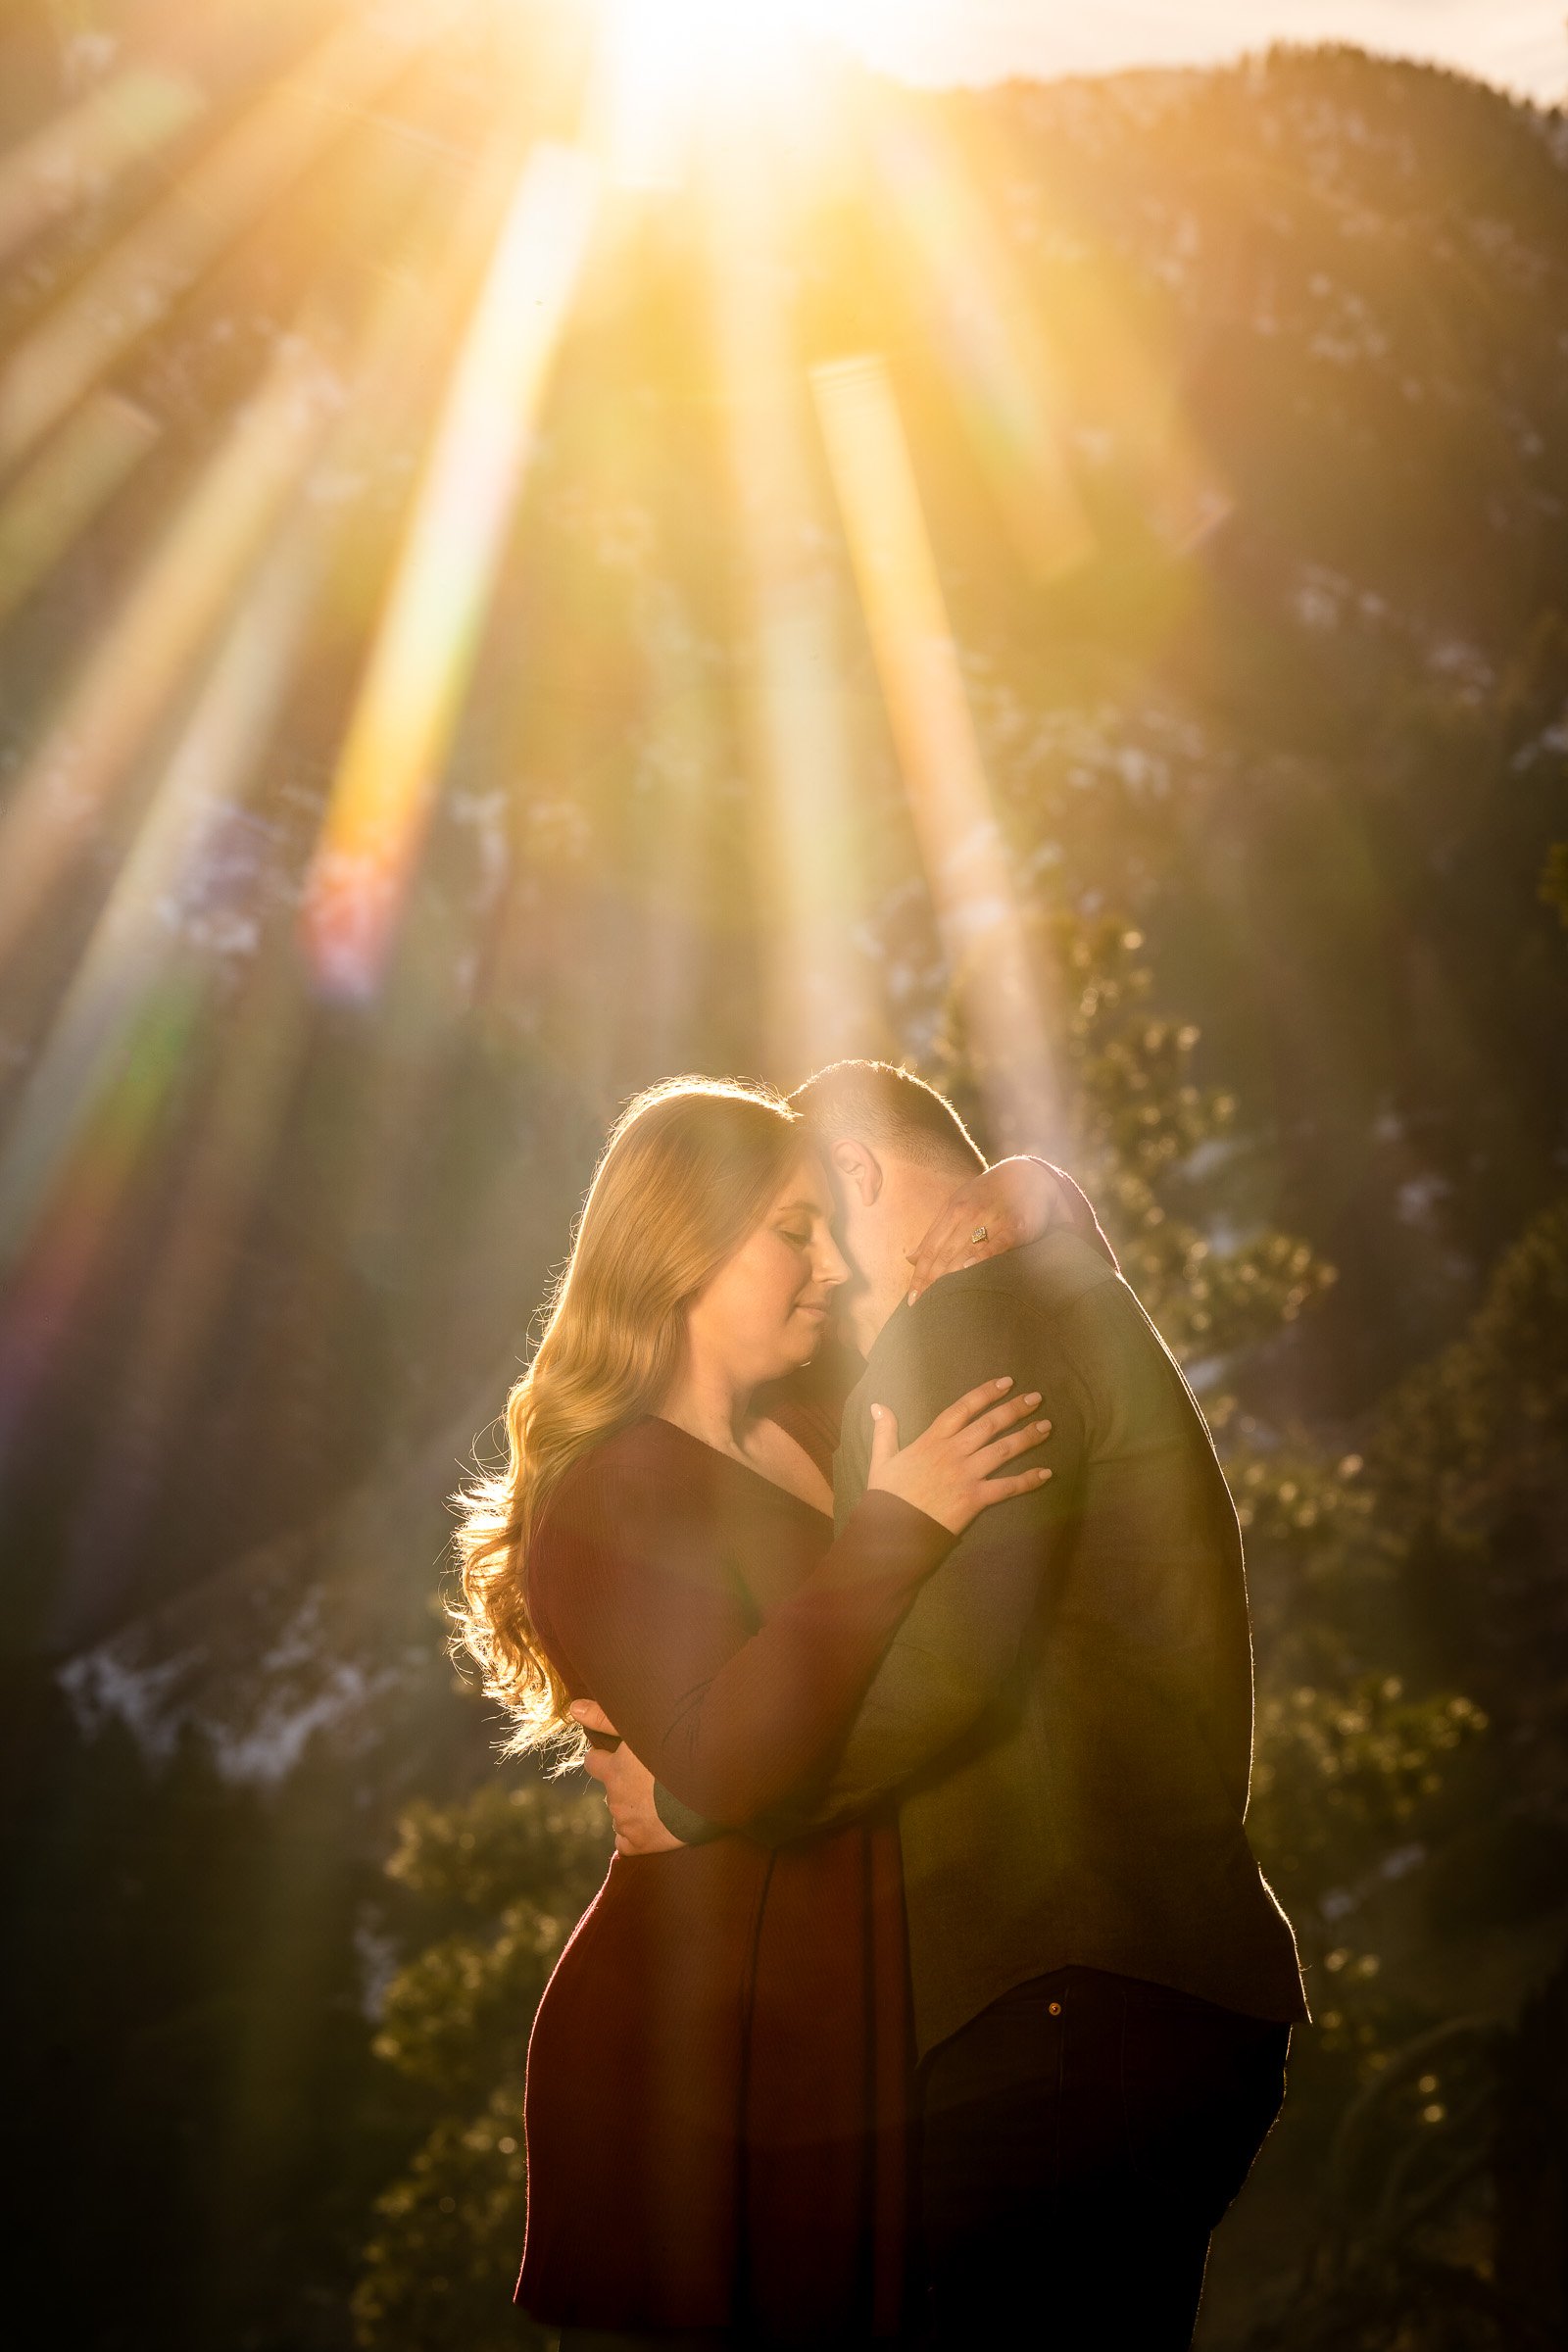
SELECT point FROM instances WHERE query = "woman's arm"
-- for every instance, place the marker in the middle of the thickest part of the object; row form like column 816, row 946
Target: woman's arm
column 727, row 1713
column 1018, row 1201
column 640, row 1597
column 950, row 1658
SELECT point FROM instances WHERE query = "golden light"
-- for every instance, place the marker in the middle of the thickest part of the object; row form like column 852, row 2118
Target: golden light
column 739, row 101
column 961, row 847
column 137, row 665
column 80, row 153
column 144, row 275
column 393, row 756
column 669, row 66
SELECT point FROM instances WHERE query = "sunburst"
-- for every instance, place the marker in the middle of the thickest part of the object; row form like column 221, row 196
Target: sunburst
column 594, row 114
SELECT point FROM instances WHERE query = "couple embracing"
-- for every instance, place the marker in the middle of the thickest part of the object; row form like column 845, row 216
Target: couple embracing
column 933, row 1995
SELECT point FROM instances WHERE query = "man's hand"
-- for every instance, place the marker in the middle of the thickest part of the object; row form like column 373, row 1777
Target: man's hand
column 627, row 1781
column 1015, row 1202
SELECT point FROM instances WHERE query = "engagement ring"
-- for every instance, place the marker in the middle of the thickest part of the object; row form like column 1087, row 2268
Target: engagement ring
column 979, row 1234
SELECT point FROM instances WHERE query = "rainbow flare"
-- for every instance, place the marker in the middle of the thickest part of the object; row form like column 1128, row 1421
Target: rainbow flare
column 390, row 767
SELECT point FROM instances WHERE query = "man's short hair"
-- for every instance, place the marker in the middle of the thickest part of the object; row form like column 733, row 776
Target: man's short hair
column 891, row 1109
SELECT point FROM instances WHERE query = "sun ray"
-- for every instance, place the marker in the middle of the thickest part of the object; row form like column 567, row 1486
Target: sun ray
column 816, row 992
column 419, row 665
column 87, row 1113
column 67, row 1247
column 950, row 800
column 985, row 326
column 85, row 148
column 74, row 476
column 1125, row 385
column 127, row 959
column 133, row 286
column 125, row 684
column 681, row 752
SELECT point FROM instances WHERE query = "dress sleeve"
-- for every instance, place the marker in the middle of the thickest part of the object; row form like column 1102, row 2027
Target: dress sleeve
column 730, row 1715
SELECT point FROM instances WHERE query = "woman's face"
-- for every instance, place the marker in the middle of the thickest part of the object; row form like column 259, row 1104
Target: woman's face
column 763, row 1312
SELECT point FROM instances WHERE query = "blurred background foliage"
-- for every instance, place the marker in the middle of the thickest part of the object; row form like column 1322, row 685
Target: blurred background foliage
column 1282, row 771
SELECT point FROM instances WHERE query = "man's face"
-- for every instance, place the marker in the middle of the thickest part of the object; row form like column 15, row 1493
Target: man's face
column 847, row 1310
column 869, row 1241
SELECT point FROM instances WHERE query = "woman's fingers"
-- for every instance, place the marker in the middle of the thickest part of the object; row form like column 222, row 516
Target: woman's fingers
column 943, row 1250
column 1008, row 1448
column 1021, row 1482
column 948, row 1424
column 884, row 1437
column 948, row 1471
column 1006, row 1415
column 948, row 1245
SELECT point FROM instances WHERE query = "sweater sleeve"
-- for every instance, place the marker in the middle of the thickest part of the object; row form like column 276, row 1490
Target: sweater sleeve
column 729, row 1714
column 1080, row 1211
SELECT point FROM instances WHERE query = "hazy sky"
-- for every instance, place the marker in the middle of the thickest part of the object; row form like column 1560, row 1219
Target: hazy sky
column 1520, row 43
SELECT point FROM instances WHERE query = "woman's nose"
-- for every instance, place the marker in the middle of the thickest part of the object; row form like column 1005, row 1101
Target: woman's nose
column 830, row 1267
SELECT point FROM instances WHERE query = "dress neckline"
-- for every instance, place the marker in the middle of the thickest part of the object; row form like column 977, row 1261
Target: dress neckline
column 746, row 1469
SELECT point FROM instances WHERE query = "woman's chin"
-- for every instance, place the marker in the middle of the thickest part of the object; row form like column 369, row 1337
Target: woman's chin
column 802, row 1339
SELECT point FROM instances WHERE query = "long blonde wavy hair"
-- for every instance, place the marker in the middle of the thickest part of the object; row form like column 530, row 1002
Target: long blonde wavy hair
column 688, row 1172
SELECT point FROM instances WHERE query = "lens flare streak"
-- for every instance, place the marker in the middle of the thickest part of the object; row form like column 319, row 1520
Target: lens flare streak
column 143, row 992
column 74, row 157
column 72, row 479
column 933, row 729
column 817, row 995
column 157, row 262
column 423, row 654
column 90, row 1045
column 996, row 355
column 126, row 683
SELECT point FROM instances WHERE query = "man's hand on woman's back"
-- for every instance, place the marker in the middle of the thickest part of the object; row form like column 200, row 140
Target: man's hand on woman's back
column 627, row 1781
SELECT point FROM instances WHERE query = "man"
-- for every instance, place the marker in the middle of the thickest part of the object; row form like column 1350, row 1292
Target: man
column 1104, row 1984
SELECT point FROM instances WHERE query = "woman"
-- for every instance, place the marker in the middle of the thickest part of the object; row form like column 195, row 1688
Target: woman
column 714, row 2108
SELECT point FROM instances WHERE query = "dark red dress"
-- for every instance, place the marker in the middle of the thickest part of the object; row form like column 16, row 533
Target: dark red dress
column 715, row 2108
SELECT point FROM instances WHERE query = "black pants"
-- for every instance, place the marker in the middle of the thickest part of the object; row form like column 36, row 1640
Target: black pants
column 1081, row 2138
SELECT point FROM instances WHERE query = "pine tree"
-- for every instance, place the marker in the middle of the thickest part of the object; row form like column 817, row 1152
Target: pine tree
column 1442, row 2188
column 497, row 1884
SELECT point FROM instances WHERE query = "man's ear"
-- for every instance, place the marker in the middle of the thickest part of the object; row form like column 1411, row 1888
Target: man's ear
column 858, row 1169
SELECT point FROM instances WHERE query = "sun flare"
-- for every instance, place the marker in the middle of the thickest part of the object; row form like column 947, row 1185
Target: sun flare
column 669, row 66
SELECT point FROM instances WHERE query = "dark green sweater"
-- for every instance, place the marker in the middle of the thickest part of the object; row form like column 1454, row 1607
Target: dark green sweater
column 1065, row 1714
